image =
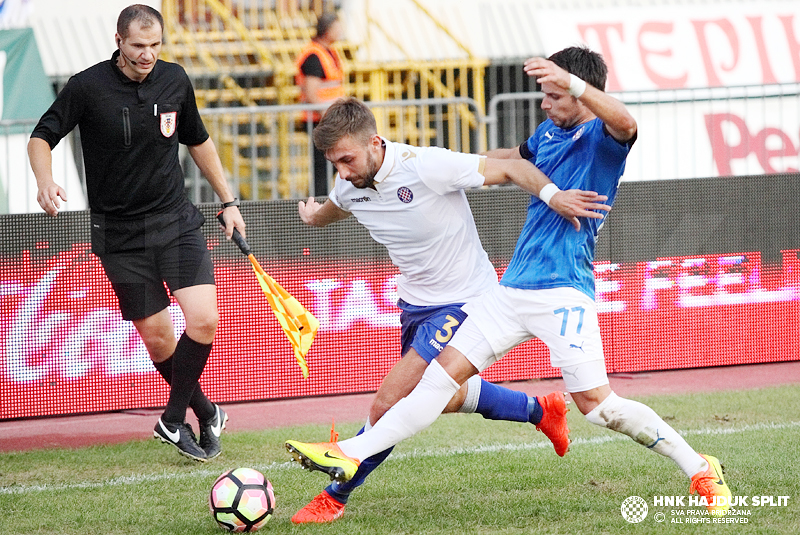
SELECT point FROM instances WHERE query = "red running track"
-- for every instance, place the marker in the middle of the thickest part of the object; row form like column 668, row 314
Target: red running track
column 118, row 427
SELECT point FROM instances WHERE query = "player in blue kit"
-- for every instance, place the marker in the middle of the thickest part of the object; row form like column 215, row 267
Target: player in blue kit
column 547, row 290
column 411, row 199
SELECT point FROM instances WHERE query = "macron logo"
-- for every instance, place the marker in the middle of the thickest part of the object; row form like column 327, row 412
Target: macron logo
column 407, row 155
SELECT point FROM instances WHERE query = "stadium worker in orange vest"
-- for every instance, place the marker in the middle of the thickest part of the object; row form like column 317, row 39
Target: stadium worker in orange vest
column 319, row 75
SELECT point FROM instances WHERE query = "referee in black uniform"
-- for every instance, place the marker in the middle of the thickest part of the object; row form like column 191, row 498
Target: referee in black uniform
column 133, row 110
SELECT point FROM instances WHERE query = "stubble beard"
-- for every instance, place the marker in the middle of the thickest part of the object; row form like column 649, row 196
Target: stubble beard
column 368, row 180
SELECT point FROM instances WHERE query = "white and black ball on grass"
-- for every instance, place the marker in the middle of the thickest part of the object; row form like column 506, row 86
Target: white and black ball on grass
column 242, row 500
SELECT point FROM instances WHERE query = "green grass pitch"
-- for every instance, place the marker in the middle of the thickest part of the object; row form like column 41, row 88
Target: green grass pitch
column 464, row 475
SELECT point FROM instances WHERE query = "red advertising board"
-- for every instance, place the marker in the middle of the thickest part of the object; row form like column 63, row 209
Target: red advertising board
column 67, row 350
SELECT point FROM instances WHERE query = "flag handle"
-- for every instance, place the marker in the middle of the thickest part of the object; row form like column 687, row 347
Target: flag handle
column 237, row 238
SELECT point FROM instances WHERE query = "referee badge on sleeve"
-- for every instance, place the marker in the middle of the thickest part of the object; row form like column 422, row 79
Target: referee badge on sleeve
column 168, row 123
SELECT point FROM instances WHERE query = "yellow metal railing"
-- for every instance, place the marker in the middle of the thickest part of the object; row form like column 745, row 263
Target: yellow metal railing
column 437, row 79
column 241, row 53
column 259, row 163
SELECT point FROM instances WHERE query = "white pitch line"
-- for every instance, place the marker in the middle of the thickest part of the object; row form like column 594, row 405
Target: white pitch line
column 616, row 437
column 415, row 454
column 135, row 479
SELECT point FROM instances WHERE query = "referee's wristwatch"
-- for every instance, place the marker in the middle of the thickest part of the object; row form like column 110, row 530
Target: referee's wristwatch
column 234, row 202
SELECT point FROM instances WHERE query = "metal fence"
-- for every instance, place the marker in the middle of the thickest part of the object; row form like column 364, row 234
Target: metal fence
column 686, row 133
column 267, row 150
column 689, row 133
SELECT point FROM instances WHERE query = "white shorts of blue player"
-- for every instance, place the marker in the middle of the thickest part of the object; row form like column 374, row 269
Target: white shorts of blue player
column 566, row 320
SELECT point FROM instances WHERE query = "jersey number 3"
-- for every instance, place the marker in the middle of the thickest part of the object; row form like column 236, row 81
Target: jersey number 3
column 446, row 332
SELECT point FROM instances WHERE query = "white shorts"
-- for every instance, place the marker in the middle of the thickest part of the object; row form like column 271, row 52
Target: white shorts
column 563, row 318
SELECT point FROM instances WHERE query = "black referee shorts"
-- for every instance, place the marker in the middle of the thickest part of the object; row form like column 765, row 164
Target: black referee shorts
column 138, row 276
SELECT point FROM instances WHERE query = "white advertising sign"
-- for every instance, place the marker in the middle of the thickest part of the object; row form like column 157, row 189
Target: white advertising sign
column 683, row 46
column 721, row 137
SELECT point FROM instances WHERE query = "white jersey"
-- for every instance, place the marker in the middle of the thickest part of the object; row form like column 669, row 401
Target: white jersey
column 419, row 212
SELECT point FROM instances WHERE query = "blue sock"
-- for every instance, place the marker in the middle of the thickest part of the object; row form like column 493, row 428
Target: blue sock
column 535, row 410
column 341, row 491
column 499, row 403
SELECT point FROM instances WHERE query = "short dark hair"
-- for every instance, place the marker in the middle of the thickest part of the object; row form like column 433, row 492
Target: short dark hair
column 325, row 22
column 347, row 116
column 146, row 16
column 584, row 63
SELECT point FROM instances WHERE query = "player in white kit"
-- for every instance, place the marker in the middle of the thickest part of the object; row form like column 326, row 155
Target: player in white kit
column 547, row 290
column 412, row 200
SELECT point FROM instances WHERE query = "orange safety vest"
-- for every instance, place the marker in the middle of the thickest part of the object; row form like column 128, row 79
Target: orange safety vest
column 331, row 87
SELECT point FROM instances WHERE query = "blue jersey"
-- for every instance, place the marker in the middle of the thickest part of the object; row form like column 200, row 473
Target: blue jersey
column 549, row 252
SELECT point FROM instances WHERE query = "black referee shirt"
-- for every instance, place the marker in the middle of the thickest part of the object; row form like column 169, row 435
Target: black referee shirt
column 130, row 133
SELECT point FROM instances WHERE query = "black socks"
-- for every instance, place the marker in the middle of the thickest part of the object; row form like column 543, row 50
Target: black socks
column 182, row 371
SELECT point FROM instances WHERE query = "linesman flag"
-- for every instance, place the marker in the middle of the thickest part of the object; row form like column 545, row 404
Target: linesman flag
column 299, row 325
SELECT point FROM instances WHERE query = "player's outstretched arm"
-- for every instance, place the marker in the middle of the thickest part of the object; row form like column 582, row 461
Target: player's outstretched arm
column 570, row 204
column 518, row 171
column 320, row 215
column 503, row 154
column 49, row 193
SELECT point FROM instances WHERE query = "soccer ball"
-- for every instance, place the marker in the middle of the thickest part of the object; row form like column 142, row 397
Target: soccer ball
column 242, row 499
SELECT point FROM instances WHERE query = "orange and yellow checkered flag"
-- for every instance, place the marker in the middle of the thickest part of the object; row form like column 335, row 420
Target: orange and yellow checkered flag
column 299, row 325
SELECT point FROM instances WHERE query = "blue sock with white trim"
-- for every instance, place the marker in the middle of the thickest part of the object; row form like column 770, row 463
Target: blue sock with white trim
column 499, row 403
